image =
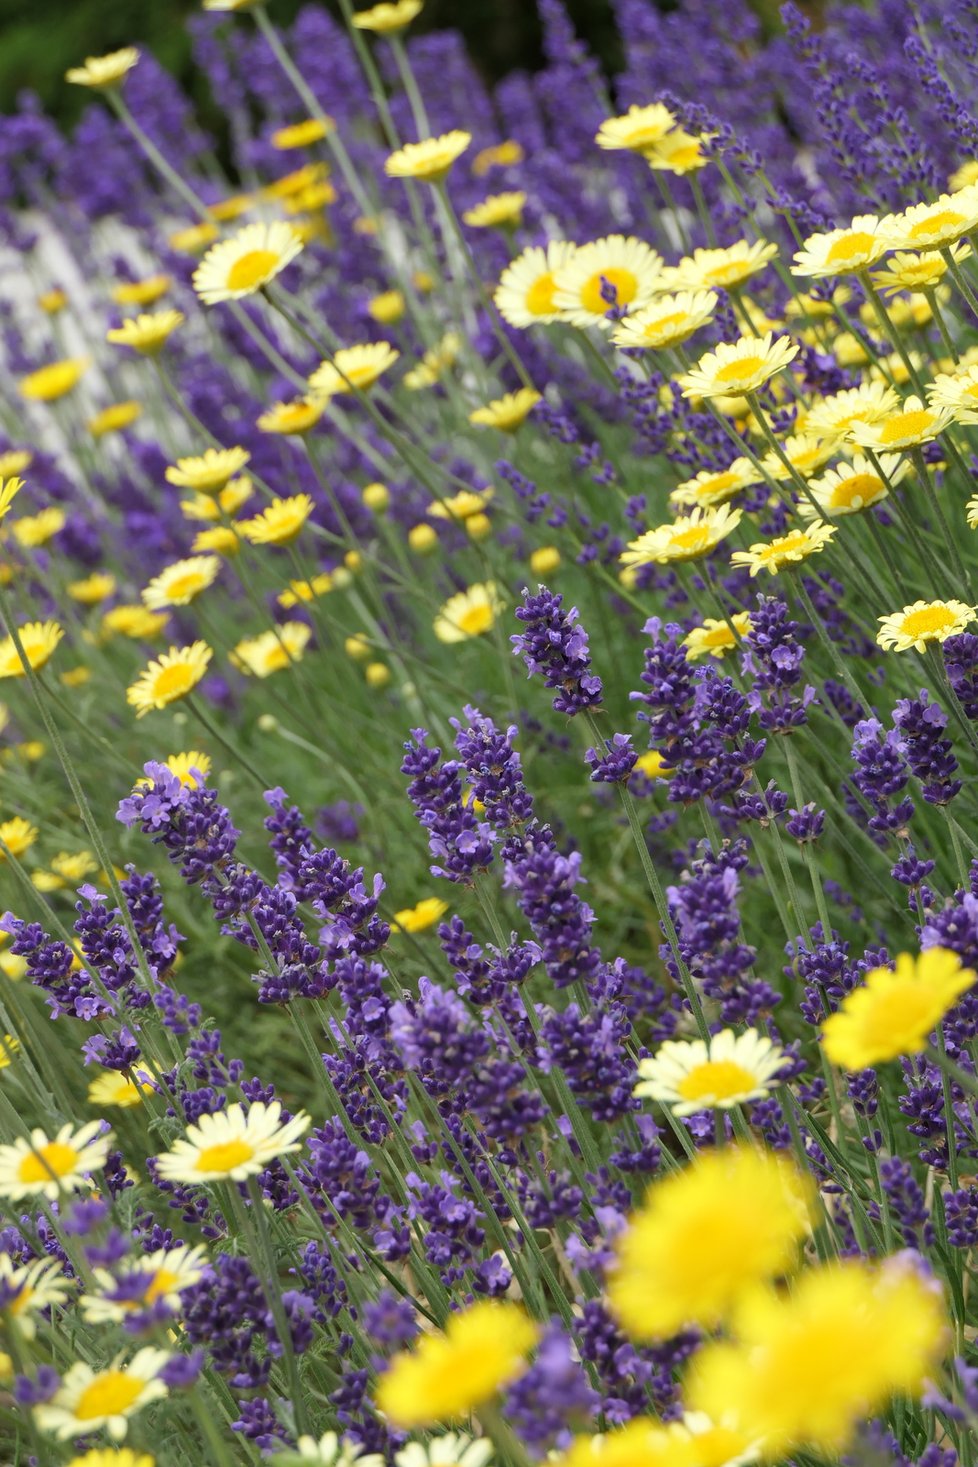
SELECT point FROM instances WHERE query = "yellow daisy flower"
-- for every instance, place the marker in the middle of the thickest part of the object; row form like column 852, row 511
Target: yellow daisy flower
column 39, row 639
column 526, row 290
column 497, row 211
column 461, row 506
column 508, row 412
column 434, row 363
column 805, row 453
column 686, row 539
column 376, row 497
column 935, row 225
column 163, row 1276
column 957, row 393
column 387, row 18
column 678, row 152
column 842, row 251
column 217, row 540
column 714, row 637
column 653, row 764
column 52, row 301
column 133, row 621
column 141, row 292
column 233, row 1144
column 422, row 916
column 470, row 613
column 850, row 488
column 67, row 869
column 114, row 419
column 387, row 307
column 629, row 265
column 29, row 1289
column 210, row 471
column 295, row 182
column 668, row 321
column 913, row 425
column 33, row 530
column 103, row 72
column 182, row 582
column 51, row 1166
column 353, row 368
column 299, row 416
column 279, row 522
column 739, row 367
column 169, row 678
column 302, row 134
column 429, row 160
column 893, row 1013
column 226, row 502
column 297, row 593
column 726, row 268
column 923, row 622
column 239, row 266
column 785, row 550
column 49, row 383
column 499, row 155
column 637, row 129
column 17, row 835
column 146, row 333
column 113, row 1087
column 715, row 486
column 833, row 416
column 14, row 462
column 195, row 238
column 271, row 651
column 88, row 1400
column 905, row 270
column 225, row 211
column 9, row 1043
column 687, row 1076
column 422, row 539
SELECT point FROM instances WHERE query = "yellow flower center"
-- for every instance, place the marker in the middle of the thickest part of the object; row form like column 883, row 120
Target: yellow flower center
column 855, row 492
column 251, row 269
column 476, row 620
column 667, row 323
column 971, row 390
column 785, row 545
column 161, row 1284
column 363, row 375
column 109, row 1394
column 940, row 223
column 728, row 273
column 720, row 636
column 739, row 371
column 224, row 1156
column 697, row 537
column 906, row 425
column 625, row 285
column 173, row 681
column 187, row 584
column 55, row 1159
column 850, row 248
column 716, row 1080
column 929, row 621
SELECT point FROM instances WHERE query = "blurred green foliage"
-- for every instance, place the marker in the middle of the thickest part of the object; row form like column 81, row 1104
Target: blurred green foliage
column 40, row 39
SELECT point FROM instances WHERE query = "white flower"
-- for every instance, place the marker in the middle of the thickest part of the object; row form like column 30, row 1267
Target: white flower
column 689, row 1077
column 232, row 1144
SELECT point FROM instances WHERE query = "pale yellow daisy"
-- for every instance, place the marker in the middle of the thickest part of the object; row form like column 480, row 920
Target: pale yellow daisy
column 103, row 72
column 739, row 367
column 922, row 623
column 182, row 582
column 239, row 266
column 49, row 1166
column 850, row 488
column 629, row 265
column 271, row 651
column 429, row 160
column 668, row 321
column 685, row 539
column 785, row 551
column 470, row 613
column 688, row 1076
column 913, row 425
column 842, row 251
column 353, row 369
column 715, row 486
column 715, row 637
column 233, row 1144
column 88, row 1400
column 525, row 294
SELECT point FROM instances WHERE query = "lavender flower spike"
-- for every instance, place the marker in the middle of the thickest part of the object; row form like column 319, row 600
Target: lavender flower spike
column 556, row 646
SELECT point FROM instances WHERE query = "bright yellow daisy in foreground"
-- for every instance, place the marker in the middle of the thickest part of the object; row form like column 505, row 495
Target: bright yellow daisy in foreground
column 182, row 582
column 852, row 487
column 89, row 1400
column 170, row 678
column 637, row 129
column 271, row 651
column 288, row 418
column 112, row 1457
column 56, row 380
column 739, row 367
column 209, row 472
column 49, row 1166
column 911, row 427
column 421, row 917
column 784, row 551
column 525, row 293
column 387, row 18
column 893, row 1013
column 935, row 225
column 429, row 160
column 668, row 321
column 508, row 412
column 448, row 1375
column 353, row 368
column 842, row 251
column 704, row 1237
column 811, row 1365
column 39, row 639
column 630, row 266
column 923, row 622
column 687, row 539
column 470, row 613
column 146, row 333
column 279, row 522
column 688, row 1077
column 233, row 1144
column 715, row 638
column 241, row 265
column 102, row 72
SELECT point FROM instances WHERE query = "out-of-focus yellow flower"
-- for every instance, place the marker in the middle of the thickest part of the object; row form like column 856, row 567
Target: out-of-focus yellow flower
column 498, row 211
column 429, row 160
column 894, row 1012
column 39, row 639
column 377, row 675
column 376, row 497
column 389, row 17
column 171, row 677
column 422, row 539
column 353, row 368
column 711, row 487
column 239, row 266
column 180, row 583
column 135, row 622
column 225, row 211
column 461, row 505
column 104, row 72
column 302, row 134
column 668, row 321
column 141, row 292
column 271, row 651
column 499, row 155
column 210, row 471
column 9, row 489
column 297, row 593
column 279, row 522
column 33, row 530
column 420, row 917
column 637, row 129
column 544, row 560
column 468, row 614
column 115, row 418
column 93, row 589
column 53, row 301
column 508, row 412
column 17, row 835
column 217, row 540
column 387, row 307
column 49, row 383
column 678, row 152
column 195, row 238
column 288, row 418
column 146, row 333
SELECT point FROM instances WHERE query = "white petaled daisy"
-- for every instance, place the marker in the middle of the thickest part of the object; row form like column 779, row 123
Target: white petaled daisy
column 232, row 1144
column 62, row 1163
column 451, row 1449
column 834, row 416
column 180, row 583
column 429, row 160
column 726, row 267
column 936, row 225
column 31, row 1288
column 271, row 651
column 710, row 487
column 679, row 152
column 668, row 321
column 688, row 1076
column 468, row 614
column 685, row 539
column 241, row 265
column 333, row 1451
column 957, row 393
column 906, row 270
column 89, row 1400
column 842, row 251
column 101, row 73
column 849, row 488
column 739, row 367
column 628, row 265
column 922, row 623
column 637, row 129
column 156, row 1278
column 525, row 293
column 784, row 551
column 913, row 425
column 805, row 455
column 353, row 369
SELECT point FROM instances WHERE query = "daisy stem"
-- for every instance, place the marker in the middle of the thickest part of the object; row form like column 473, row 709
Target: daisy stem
column 236, row 754
column 930, row 489
column 179, row 186
column 255, row 1224
column 947, row 1066
column 838, row 662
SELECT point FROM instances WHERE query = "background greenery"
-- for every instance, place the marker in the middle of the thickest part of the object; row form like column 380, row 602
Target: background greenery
column 40, row 39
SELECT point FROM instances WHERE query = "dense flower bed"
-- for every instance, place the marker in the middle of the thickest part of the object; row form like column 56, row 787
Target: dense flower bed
column 490, row 885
